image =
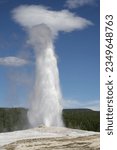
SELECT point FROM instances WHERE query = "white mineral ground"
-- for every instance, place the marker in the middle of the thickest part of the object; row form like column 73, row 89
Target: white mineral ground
column 50, row 138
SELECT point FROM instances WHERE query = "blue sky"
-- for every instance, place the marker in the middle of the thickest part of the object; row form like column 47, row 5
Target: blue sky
column 78, row 56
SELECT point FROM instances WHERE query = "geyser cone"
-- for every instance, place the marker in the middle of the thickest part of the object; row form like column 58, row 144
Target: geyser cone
column 45, row 104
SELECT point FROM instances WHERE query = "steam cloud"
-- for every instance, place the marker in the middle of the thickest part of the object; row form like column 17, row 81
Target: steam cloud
column 42, row 26
column 29, row 16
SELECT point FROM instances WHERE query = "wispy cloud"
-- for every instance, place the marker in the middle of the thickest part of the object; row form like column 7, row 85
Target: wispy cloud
column 13, row 61
column 94, row 104
column 71, row 4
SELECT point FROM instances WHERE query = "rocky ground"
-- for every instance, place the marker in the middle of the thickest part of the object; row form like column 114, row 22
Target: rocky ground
column 50, row 139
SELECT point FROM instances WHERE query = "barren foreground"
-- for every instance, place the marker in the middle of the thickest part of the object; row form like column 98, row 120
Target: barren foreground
column 49, row 139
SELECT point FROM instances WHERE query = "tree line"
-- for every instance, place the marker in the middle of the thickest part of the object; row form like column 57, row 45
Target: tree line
column 12, row 119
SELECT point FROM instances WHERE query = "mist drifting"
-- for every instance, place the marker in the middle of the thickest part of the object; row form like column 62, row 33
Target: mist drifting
column 43, row 26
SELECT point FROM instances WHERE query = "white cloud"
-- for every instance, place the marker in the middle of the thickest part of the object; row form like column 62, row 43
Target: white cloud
column 13, row 61
column 94, row 104
column 64, row 20
column 77, row 3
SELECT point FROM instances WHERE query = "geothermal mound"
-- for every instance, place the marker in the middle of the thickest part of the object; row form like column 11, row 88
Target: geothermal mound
column 50, row 138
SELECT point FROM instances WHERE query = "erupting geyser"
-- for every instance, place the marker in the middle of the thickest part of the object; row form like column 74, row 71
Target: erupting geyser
column 43, row 26
column 45, row 109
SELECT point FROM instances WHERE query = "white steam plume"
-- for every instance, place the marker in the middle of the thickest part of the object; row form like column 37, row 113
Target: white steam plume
column 45, row 109
column 42, row 25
